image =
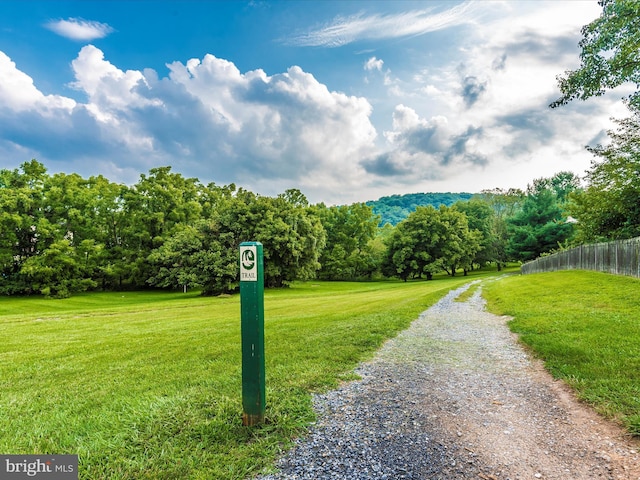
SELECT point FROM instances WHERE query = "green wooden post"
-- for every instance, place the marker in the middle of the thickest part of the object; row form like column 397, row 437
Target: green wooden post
column 252, row 329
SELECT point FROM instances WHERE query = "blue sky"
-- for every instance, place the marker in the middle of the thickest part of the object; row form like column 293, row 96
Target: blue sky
column 345, row 100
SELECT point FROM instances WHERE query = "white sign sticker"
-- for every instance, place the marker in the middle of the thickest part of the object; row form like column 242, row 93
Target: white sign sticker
column 248, row 263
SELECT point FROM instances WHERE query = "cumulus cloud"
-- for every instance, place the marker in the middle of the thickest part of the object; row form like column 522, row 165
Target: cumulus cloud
column 108, row 88
column 287, row 125
column 422, row 149
column 18, row 93
column 373, row 64
column 345, row 30
column 79, row 29
column 205, row 117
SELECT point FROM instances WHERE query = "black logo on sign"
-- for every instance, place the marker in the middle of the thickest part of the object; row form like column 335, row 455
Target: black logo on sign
column 248, row 259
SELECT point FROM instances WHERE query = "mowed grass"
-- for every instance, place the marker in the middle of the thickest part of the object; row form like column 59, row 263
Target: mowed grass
column 148, row 385
column 586, row 328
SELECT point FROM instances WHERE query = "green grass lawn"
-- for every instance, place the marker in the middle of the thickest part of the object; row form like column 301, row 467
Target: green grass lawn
column 586, row 328
column 148, row 385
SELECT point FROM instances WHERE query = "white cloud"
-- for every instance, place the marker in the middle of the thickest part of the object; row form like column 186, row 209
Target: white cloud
column 494, row 93
column 207, row 118
column 288, row 125
column 431, row 90
column 345, row 30
column 79, row 29
column 373, row 64
column 107, row 87
column 405, row 118
column 420, row 149
column 18, row 93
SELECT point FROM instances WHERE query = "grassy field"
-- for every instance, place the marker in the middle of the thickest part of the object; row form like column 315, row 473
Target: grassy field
column 586, row 328
column 148, row 385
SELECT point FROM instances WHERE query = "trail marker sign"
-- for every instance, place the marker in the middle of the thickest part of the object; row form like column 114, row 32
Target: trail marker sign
column 248, row 262
column 252, row 331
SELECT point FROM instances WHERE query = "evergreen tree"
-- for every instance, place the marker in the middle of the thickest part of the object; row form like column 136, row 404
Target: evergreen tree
column 540, row 226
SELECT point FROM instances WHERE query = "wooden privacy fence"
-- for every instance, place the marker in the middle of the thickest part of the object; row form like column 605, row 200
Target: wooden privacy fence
column 621, row 257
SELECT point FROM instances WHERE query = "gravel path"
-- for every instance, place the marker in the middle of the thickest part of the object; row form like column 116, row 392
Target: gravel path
column 456, row 397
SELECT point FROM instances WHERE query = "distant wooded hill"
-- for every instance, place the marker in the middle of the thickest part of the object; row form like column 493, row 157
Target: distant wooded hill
column 395, row 208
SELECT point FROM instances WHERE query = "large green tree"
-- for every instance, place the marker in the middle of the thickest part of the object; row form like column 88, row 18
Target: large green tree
column 58, row 271
column 25, row 230
column 349, row 252
column 459, row 244
column 481, row 217
column 203, row 253
column 430, row 240
column 610, row 207
column 201, row 256
column 504, row 204
column 540, row 227
column 68, row 206
column 154, row 209
column 413, row 248
column 176, row 261
column 206, row 255
column 39, row 211
column 562, row 185
column 292, row 236
column 610, row 57
column 89, row 212
column 610, row 54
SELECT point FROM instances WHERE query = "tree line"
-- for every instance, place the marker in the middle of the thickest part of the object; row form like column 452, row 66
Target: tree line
column 63, row 233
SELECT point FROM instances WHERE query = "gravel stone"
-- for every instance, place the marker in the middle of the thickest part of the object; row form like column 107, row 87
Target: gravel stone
column 456, row 397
